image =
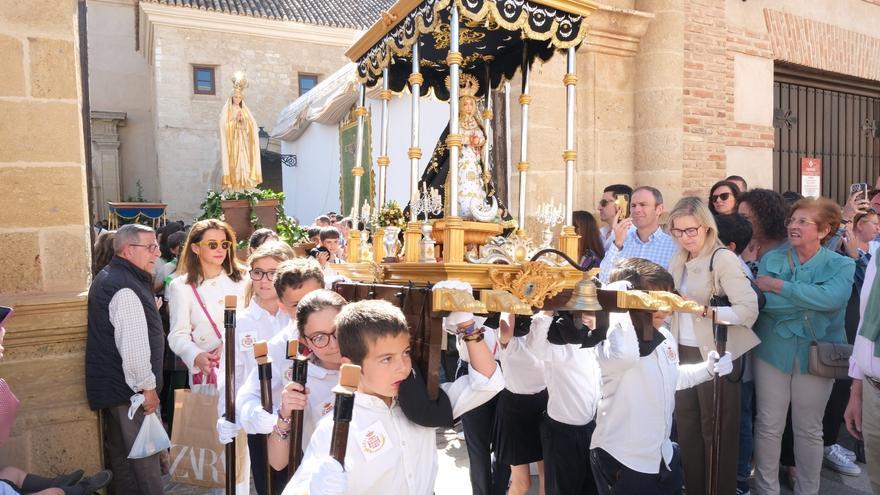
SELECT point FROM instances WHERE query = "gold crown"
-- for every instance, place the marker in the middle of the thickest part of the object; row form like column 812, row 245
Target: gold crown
column 468, row 85
column 239, row 82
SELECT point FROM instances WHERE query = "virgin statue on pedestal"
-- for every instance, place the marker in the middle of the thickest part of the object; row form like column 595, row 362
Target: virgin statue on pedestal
column 239, row 142
column 476, row 193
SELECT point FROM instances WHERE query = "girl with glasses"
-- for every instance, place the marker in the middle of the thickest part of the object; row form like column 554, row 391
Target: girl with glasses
column 723, row 198
column 693, row 227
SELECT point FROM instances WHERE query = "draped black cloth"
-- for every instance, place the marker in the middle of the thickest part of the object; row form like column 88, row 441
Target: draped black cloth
column 435, row 175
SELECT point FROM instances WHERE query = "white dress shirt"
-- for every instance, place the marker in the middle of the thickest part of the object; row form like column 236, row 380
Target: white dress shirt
column 252, row 324
column 319, row 381
column 634, row 418
column 570, row 373
column 863, row 362
column 523, row 372
column 387, row 453
column 132, row 336
column 191, row 332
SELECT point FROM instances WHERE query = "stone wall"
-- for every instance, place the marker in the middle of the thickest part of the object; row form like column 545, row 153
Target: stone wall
column 187, row 125
column 44, row 237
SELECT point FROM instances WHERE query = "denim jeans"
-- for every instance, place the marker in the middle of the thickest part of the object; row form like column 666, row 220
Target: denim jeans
column 744, row 466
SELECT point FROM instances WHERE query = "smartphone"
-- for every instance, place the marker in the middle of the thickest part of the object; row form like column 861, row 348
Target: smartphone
column 5, row 312
column 622, row 203
column 859, row 188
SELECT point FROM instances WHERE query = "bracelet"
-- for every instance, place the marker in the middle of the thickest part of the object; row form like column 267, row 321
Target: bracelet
column 282, row 434
column 282, row 418
column 474, row 338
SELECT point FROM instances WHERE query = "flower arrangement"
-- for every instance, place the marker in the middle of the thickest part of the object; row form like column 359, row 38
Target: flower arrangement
column 391, row 215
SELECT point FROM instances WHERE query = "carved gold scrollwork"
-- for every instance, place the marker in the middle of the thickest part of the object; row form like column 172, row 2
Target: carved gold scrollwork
column 533, row 285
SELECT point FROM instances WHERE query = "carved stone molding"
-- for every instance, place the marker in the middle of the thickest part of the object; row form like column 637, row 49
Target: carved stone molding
column 616, row 31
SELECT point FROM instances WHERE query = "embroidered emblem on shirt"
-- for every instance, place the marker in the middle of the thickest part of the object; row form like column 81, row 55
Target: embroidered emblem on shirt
column 671, row 355
column 326, row 408
column 288, row 375
column 247, row 342
column 373, row 440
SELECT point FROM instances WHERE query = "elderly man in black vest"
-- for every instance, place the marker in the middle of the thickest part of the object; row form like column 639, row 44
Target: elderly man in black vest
column 124, row 355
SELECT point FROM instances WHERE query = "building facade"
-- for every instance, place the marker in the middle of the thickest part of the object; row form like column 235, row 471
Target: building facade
column 168, row 66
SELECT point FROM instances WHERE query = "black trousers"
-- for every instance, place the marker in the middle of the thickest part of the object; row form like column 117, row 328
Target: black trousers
column 567, row 457
column 613, row 478
column 259, row 459
column 487, row 476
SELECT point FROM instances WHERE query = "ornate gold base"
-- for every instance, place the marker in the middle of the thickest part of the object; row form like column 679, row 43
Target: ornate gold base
column 568, row 243
column 474, row 232
column 411, row 237
column 378, row 246
column 354, row 244
column 480, row 276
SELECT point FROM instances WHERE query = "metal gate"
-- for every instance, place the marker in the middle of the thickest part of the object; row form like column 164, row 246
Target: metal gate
column 834, row 123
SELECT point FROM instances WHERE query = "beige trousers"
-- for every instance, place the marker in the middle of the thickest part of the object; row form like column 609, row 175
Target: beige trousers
column 871, row 432
column 808, row 395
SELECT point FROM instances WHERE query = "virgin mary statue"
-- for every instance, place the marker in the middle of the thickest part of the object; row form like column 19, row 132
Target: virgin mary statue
column 476, row 193
column 239, row 142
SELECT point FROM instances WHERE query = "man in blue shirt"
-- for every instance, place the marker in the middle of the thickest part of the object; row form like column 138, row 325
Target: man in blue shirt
column 640, row 236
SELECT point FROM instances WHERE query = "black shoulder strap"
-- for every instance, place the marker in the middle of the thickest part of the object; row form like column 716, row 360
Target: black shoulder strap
column 712, row 259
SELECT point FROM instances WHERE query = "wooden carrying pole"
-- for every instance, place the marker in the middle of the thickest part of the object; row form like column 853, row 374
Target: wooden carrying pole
column 717, row 401
column 299, row 374
column 349, row 378
column 264, row 371
column 229, row 327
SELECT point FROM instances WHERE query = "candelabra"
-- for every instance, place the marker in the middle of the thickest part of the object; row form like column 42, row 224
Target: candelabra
column 550, row 215
column 429, row 203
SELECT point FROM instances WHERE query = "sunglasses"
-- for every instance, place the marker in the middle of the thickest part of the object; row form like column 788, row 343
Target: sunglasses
column 723, row 197
column 212, row 244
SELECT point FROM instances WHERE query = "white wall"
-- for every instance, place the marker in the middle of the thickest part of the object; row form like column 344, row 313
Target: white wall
column 312, row 187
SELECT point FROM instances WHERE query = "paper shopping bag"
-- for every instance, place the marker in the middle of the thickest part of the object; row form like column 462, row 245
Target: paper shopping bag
column 197, row 456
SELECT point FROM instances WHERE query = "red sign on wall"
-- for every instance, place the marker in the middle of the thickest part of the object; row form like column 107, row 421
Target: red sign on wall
column 811, row 177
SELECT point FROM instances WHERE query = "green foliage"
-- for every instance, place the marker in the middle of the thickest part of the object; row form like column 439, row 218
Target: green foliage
column 287, row 229
column 392, row 215
column 140, row 194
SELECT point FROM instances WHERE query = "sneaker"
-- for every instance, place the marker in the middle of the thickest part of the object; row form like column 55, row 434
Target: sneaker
column 836, row 461
column 849, row 454
column 742, row 491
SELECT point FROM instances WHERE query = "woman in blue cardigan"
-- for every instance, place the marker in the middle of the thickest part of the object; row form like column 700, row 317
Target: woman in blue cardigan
column 807, row 287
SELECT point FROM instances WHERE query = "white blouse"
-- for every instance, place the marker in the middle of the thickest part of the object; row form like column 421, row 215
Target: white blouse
column 191, row 332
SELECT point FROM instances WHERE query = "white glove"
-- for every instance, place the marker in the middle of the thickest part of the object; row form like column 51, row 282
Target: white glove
column 719, row 366
column 227, row 431
column 265, row 421
column 328, row 479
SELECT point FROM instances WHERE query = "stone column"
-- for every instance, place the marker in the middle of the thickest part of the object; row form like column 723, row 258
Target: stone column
column 44, row 238
column 106, row 165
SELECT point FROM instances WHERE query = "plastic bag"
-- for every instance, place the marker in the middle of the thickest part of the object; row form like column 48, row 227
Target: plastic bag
column 152, row 437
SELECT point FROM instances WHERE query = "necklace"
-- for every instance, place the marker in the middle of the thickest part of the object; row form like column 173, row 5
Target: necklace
column 468, row 123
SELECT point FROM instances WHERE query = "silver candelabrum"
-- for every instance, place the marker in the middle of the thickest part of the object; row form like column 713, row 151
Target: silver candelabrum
column 429, row 203
column 550, row 215
column 367, row 218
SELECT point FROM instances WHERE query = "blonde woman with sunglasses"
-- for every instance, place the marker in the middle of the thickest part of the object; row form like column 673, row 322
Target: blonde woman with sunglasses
column 208, row 272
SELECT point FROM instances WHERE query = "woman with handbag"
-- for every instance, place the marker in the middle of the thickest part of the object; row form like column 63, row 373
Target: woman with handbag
column 807, row 288
column 706, row 272
column 208, row 272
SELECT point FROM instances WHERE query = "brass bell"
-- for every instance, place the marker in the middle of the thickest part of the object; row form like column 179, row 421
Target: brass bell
column 583, row 297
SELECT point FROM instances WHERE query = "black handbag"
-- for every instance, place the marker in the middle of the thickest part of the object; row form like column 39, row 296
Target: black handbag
column 723, row 300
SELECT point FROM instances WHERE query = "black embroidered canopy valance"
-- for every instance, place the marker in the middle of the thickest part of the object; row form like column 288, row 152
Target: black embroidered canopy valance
column 492, row 32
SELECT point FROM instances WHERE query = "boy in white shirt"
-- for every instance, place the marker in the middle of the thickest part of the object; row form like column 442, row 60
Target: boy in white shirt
column 387, row 453
column 630, row 450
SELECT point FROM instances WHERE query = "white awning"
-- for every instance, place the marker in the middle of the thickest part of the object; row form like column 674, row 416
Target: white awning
column 327, row 103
